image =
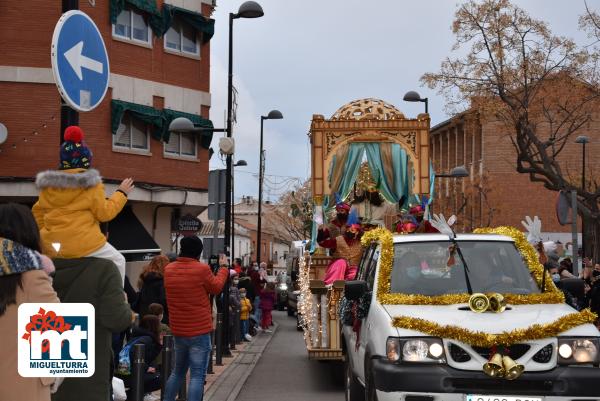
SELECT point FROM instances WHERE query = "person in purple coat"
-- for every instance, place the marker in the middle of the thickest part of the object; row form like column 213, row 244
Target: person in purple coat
column 267, row 303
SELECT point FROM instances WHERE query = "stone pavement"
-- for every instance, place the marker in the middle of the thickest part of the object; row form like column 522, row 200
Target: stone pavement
column 227, row 380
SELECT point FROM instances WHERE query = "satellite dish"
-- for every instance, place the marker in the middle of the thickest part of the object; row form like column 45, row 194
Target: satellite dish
column 3, row 133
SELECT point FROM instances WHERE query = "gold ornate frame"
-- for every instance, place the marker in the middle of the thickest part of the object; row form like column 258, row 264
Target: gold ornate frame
column 385, row 124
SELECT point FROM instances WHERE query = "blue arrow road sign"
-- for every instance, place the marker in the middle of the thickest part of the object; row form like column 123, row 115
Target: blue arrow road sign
column 79, row 61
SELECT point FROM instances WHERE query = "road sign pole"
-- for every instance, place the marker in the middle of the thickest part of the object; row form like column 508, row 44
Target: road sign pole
column 68, row 116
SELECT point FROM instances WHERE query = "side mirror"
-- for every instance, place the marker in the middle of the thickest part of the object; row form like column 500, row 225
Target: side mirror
column 355, row 289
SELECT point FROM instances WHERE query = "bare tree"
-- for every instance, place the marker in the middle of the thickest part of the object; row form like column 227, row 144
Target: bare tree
column 543, row 87
column 293, row 212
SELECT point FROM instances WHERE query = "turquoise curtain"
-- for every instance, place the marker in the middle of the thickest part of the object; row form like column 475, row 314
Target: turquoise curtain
column 376, row 166
column 351, row 168
column 431, row 182
column 392, row 188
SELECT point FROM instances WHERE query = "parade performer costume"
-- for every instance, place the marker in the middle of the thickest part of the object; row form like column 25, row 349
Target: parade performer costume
column 335, row 227
column 346, row 251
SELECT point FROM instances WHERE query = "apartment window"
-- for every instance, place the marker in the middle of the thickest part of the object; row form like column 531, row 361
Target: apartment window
column 132, row 134
column 183, row 38
column 131, row 25
column 181, row 144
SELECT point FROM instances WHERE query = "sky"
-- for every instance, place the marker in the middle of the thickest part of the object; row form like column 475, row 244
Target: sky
column 306, row 57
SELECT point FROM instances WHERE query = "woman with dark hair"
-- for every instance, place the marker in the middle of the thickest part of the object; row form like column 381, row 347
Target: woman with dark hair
column 152, row 287
column 22, row 279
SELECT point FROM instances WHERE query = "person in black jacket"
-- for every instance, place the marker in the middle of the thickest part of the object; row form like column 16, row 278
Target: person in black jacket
column 152, row 287
column 148, row 333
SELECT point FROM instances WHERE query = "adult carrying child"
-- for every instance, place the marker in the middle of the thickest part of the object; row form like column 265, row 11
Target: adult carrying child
column 72, row 203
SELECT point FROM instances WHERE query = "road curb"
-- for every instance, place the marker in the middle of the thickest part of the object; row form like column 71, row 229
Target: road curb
column 230, row 382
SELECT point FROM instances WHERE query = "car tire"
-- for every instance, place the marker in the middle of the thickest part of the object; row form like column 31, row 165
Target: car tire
column 353, row 390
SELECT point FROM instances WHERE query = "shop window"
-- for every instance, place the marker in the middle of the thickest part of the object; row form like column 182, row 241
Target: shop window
column 132, row 25
column 182, row 38
column 181, row 144
column 132, row 134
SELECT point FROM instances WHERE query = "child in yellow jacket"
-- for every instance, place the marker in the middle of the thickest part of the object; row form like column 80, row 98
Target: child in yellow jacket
column 245, row 309
column 72, row 203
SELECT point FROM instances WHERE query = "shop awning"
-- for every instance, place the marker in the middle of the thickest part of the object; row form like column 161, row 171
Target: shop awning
column 205, row 137
column 159, row 120
column 202, row 24
column 147, row 114
column 147, row 6
column 128, row 235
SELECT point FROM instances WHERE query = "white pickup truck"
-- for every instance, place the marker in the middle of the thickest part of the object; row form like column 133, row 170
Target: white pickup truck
column 418, row 339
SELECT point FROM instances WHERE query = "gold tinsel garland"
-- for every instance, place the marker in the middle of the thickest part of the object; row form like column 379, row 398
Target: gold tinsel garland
column 481, row 339
column 551, row 295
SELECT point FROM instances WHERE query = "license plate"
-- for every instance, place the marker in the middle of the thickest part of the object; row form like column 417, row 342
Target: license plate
column 476, row 397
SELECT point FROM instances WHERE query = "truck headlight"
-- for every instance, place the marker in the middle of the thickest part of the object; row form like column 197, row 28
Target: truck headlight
column 421, row 349
column 577, row 350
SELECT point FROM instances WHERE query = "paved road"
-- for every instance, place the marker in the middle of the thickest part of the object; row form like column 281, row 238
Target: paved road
column 285, row 373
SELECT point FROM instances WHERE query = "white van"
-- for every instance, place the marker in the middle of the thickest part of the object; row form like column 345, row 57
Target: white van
column 418, row 339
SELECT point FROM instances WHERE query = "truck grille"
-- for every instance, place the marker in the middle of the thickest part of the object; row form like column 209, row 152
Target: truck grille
column 515, row 351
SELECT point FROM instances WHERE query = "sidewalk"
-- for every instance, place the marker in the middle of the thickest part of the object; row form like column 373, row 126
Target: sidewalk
column 227, row 381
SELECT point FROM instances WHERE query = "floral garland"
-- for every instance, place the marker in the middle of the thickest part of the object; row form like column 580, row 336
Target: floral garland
column 507, row 338
column 551, row 295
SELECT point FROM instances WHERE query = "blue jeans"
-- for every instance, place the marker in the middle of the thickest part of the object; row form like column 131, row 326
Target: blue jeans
column 192, row 353
column 257, row 310
column 245, row 325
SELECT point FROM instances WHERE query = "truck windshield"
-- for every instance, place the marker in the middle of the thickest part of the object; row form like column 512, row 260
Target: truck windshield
column 494, row 266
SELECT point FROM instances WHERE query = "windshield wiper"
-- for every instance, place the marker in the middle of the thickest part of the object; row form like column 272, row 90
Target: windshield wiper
column 462, row 259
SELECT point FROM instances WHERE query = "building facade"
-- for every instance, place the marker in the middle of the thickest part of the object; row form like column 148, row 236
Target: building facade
column 495, row 193
column 275, row 242
column 160, row 69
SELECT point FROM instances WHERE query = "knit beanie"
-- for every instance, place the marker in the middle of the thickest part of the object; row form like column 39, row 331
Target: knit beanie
column 191, row 247
column 16, row 258
column 73, row 152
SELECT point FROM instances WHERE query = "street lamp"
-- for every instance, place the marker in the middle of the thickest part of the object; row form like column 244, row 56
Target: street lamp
column 456, row 172
column 412, row 96
column 239, row 163
column 249, row 9
column 582, row 139
column 273, row 115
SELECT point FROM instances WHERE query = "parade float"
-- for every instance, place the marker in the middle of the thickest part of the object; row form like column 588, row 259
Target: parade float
column 472, row 313
column 396, row 150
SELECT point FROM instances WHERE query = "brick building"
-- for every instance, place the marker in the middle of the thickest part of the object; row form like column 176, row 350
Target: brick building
column 160, row 69
column 495, row 194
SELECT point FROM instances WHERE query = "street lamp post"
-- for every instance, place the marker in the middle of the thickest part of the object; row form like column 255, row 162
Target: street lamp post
column 273, row 115
column 412, row 96
column 582, row 139
column 456, row 172
column 248, row 9
column 240, row 163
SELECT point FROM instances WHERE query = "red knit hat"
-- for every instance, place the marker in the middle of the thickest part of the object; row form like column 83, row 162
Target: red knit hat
column 73, row 151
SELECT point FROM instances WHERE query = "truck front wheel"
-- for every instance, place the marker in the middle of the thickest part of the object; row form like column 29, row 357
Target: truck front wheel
column 353, row 389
